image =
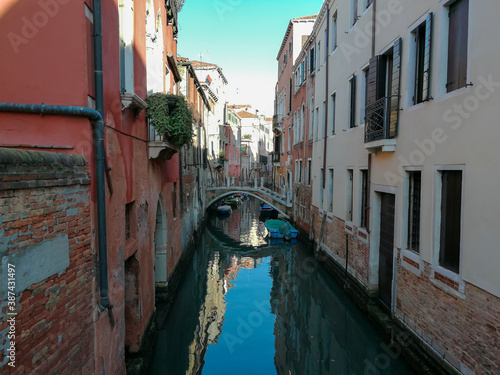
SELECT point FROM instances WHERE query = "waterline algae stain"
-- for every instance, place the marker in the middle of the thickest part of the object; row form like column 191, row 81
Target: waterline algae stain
column 246, row 307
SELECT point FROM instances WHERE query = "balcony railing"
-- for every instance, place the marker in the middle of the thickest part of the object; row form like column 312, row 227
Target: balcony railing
column 159, row 147
column 378, row 122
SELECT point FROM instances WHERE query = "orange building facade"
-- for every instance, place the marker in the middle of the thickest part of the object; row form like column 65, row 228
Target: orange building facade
column 49, row 57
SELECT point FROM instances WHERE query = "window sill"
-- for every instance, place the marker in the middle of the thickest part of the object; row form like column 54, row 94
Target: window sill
column 452, row 94
column 412, row 262
column 349, row 227
column 162, row 149
column 448, row 281
column 384, row 145
column 363, row 235
column 132, row 101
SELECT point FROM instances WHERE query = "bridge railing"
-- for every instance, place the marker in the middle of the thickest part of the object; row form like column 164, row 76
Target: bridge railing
column 260, row 184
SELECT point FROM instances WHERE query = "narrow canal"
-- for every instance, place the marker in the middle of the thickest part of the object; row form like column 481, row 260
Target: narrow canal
column 246, row 307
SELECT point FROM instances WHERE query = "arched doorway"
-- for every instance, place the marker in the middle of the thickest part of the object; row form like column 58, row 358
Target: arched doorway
column 160, row 246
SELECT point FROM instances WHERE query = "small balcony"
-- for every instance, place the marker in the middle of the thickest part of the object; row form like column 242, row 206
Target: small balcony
column 276, row 158
column 277, row 125
column 159, row 147
column 381, row 125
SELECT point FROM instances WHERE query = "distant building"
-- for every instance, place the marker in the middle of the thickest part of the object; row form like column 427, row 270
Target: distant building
column 257, row 140
column 296, row 33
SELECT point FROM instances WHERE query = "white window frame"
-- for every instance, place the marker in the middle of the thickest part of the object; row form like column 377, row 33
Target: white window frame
column 334, row 33
column 126, row 32
column 435, row 267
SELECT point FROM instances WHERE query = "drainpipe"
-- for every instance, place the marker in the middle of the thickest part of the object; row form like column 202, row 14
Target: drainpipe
column 327, row 46
column 101, row 159
column 98, row 122
column 369, row 172
column 97, row 119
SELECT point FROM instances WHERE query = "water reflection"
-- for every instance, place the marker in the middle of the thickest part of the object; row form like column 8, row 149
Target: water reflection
column 247, row 307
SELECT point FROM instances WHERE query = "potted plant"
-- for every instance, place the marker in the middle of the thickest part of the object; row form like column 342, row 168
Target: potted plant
column 222, row 156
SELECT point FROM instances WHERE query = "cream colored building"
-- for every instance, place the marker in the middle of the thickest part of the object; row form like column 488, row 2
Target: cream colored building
column 406, row 102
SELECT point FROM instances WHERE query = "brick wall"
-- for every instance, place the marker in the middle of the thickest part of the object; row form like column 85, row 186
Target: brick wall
column 440, row 317
column 334, row 241
column 45, row 231
column 302, row 207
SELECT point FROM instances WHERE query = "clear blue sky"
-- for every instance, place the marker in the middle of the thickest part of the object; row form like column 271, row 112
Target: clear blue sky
column 243, row 37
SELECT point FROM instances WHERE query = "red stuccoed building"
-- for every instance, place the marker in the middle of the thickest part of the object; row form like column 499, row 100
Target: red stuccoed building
column 89, row 192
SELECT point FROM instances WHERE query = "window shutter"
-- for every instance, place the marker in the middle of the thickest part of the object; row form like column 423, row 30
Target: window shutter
column 464, row 32
column 394, row 100
column 426, row 89
column 373, row 80
column 353, row 102
column 457, row 45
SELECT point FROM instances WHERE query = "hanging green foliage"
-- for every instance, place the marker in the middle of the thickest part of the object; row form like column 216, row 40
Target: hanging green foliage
column 171, row 115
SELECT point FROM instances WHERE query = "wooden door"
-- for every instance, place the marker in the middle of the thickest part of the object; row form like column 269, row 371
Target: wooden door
column 386, row 249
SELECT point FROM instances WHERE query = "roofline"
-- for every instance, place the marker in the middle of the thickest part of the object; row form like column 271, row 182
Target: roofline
column 199, row 88
column 311, row 36
column 287, row 33
column 216, row 67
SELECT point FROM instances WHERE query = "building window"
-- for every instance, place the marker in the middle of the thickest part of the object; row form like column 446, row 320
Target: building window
column 174, row 200
column 296, row 177
column 423, row 48
column 333, row 42
column 311, row 120
column 352, row 102
column 364, row 198
column 451, row 213
column 316, row 120
column 309, row 172
column 321, row 189
column 349, row 195
column 300, row 170
column 354, row 12
column 126, row 30
column 414, row 194
column 331, row 114
column 323, row 119
column 302, row 122
column 330, row 190
column 458, row 32
column 325, row 53
column 364, row 95
column 312, row 60
column 128, row 214
column 383, row 90
column 319, row 56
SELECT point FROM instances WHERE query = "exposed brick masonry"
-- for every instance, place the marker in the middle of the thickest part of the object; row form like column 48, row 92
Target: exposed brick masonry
column 43, row 197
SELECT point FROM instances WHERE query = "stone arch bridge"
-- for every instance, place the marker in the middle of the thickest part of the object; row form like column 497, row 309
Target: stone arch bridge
column 282, row 203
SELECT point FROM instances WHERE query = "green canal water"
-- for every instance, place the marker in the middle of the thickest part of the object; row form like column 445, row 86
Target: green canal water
column 246, row 307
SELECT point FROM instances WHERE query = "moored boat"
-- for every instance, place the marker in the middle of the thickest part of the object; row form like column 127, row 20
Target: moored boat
column 224, row 209
column 233, row 201
column 281, row 229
